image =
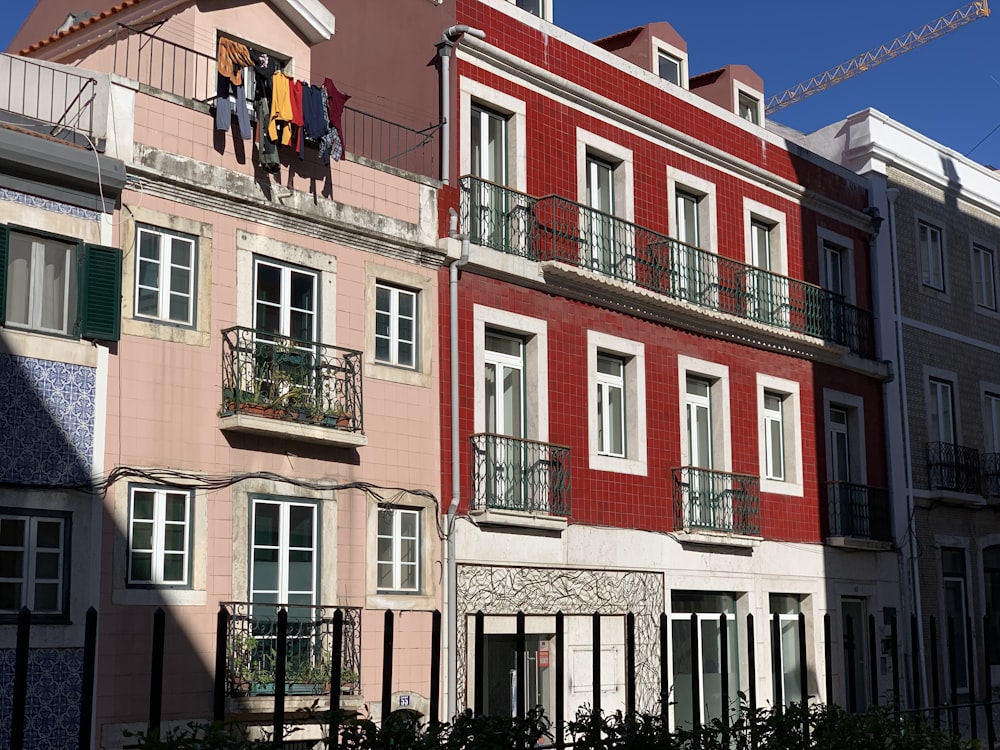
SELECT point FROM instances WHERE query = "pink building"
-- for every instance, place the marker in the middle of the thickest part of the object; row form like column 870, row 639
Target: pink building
column 264, row 406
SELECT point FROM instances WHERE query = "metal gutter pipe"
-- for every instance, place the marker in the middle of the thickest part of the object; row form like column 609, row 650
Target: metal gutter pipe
column 449, row 38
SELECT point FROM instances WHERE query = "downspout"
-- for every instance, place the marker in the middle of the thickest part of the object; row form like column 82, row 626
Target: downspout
column 449, row 38
column 451, row 565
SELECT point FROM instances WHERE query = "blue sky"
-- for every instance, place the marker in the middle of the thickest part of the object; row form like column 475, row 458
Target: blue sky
column 948, row 89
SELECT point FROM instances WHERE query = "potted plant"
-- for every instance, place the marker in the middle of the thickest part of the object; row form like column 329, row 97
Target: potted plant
column 348, row 681
column 242, row 661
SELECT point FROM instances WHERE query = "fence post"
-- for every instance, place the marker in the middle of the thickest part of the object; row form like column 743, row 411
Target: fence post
column 280, row 673
column 336, row 668
column 480, row 662
column 935, row 676
column 87, row 685
column 724, row 648
column 970, row 661
column 852, row 667
column 664, row 668
column 950, row 644
column 156, row 671
column 630, row 664
column 777, row 678
column 560, row 683
column 918, row 692
column 988, row 697
column 596, row 655
column 435, row 709
column 695, row 682
column 521, row 648
column 20, row 697
column 894, row 640
column 804, row 678
column 828, row 656
column 873, row 659
column 387, row 647
column 219, row 696
column 752, row 668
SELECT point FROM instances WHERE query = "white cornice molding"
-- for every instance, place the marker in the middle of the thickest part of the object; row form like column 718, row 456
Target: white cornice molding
column 310, row 18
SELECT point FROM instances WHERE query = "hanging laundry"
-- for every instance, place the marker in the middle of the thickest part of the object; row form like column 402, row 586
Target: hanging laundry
column 264, row 68
column 231, row 58
column 281, row 110
column 295, row 97
column 230, row 96
column 335, row 103
column 315, row 123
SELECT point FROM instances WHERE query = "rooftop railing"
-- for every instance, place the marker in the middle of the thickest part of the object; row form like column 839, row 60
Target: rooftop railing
column 554, row 228
column 58, row 98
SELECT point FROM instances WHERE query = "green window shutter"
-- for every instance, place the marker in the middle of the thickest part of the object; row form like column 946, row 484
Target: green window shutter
column 4, row 241
column 101, row 293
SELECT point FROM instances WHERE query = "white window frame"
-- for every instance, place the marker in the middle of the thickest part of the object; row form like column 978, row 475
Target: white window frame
column 284, row 304
column 395, row 340
column 934, row 382
column 471, row 94
column 682, row 182
column 396, row 537
column 718, row 376
column 544, row 6
column 592, row 146
column 284, row 547
column 610, row 385
column 933, row 268
column 777, row 221
column 165, row 275
column 984, row 277
column 854, row 406
column 742, row 92
column 28, row 550
column 786, row 620
column 661, row 47
column 774, row 432
column 633, row 357
column 33, row 282
column 160, row 524
column 791, row 431
column 534, row 331
column 828, row 239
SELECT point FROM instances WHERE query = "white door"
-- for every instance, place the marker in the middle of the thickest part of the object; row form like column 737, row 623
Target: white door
column 488, row 211
column 504, row 389
column 701, row 509
column 598, row 224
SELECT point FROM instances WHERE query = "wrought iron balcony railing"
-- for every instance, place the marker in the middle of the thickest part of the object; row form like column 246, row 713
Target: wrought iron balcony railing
column 300, row 381
column 521, row 475
column 554, row 228
column 858, row 511
column 991, row 474
column 188, row 74
column 251, row 649
column 716, row 501
column 953, row 467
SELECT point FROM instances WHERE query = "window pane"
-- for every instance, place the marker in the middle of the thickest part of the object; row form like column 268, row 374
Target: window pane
column 173, row 537
column 265, row 570
column 385, row 549
column 47, row 565
column 407, row 303
column 385, row 522
column 142, row 535
column 142, row 567
column 406, row 355
column 180, row 256
column 302, row 290
column 385, row 575
column 408, row 578
column 176, row 507
column 10, row 596
column 18, row 278
column 149, row 246
column 266, row 523
column 268, row 283
column 173, row 567
column 300, row 526
column 56, row 283
column 11, row 564
column 408, row 524
column 11, row 532
column 142, row 505
column 47, row 597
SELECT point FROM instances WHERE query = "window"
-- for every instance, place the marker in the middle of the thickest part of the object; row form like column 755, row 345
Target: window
column 668, row 67
column 766, row 286
column 834, row 267
column 489, row 144
column 774, row 440
column 699, row 423
column 610, row 406
column 395, row 325
column 955, row 600
column 33, row 570
column 617, row 416
column 159, row 537
column 605, row 190
column 749, row 108
column 785, row 609
column 688, row 221
column 59, row 286
column 708, row 609
column 398, row 549
column 284, row 301
column 283, row 553
column 991, row 577
column 992, row 420
column 984, row 276
column 598, row 226
column 493, row 222
column 942, row 412
column 534, row 7
column 165, row 276
column 931, row 255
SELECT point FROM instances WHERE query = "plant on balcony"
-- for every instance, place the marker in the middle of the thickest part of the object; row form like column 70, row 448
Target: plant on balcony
column 348, row 680
column 242, row 658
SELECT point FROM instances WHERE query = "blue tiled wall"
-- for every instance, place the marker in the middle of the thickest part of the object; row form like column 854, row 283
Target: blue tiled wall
column 52, row 713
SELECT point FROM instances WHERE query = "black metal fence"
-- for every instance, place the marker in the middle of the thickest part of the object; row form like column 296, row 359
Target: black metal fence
column 954, row 467
column 511, row 473
column 962, row 714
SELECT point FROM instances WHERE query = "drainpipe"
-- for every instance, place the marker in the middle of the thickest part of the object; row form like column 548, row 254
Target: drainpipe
column 911, row 548
column 449, row 38
column 451, row 565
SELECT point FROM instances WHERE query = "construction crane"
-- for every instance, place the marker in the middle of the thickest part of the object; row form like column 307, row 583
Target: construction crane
column 954, row 20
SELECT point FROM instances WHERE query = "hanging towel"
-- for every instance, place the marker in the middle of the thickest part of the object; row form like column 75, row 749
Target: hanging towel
column 281, row 110
column 232, row 57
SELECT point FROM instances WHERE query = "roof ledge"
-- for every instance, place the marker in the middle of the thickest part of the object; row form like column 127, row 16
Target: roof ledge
column 310, row 17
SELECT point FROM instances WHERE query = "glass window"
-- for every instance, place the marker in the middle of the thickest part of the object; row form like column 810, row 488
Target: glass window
column 749, row 108
column 159, row 536
column 834, row 259
column 610, row 405
column 398, row 549
column 699, row 423
column 984, row 273
column 668, row 67
column 785, row 610
column 534, row 7
column 285, row 301
column 942, row 412
column 32, row 564
column 688, row 226
column 991, row 575
column 395, row 325
column 41, row 284
column 283, row 553
column 598, row 224
column 489, row 145
column 955, row 598
column 774, row 441
column 164, row 276
column 931, row 256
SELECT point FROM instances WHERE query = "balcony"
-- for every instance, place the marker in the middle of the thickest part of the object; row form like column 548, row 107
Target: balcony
column 252, row 647
column 991, row 474
column 188, row 77
column 953, row 468
column 857, row 512
column 520, row 482
column 716, row 501
column 556, row 229
column 298, row 390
